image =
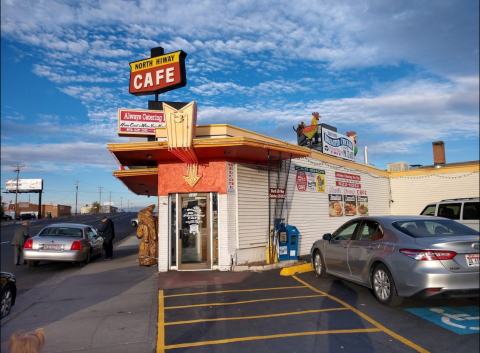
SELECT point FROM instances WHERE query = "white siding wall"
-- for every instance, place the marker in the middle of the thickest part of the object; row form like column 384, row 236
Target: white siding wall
column 308, row 211
column 227, row 225
column 163, row 234
column 252, row 186
column 412, row 194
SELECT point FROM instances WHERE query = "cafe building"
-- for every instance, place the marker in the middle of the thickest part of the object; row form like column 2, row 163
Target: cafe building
column 219, row 188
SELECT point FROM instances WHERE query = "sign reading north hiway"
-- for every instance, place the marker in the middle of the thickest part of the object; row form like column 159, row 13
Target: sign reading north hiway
column 158, row 74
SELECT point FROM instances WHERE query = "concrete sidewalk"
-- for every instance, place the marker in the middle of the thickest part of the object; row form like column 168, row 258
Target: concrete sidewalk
column 107, row 306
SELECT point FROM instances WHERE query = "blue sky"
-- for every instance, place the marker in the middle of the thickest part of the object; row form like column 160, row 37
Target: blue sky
column 402, row 74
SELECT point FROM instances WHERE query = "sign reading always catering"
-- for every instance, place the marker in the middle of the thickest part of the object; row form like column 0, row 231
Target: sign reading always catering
column 24, row 185
column 337, row 145
column 139, row 122
column 277, row 193
column 158, row 74
column 348, row 180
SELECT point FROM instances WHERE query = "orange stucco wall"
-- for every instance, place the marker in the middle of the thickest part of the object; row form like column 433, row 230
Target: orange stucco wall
column 214, row 178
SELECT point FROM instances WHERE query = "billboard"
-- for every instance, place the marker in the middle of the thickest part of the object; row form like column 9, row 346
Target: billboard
column 338, row 145
column 24, row 185
column 139, row 122
column 158, row 74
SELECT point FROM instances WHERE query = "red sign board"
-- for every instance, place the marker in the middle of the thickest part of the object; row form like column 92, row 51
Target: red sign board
column 139, row 122
column 277, row 193
column 158, row 74
column 347, row 176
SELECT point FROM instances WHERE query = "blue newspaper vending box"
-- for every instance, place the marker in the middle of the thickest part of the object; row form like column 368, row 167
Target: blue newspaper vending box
column 292, row 234
column 283, row 249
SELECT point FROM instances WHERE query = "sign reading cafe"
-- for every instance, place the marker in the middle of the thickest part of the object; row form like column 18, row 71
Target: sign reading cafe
column 158, row 74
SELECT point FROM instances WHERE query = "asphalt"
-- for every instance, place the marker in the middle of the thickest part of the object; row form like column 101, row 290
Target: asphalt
column 106, row 306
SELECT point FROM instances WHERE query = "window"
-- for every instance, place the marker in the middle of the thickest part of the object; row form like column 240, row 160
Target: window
column 90, row 232
column 471, row 210
column 370, row 231
column 61, row 232
column 421, row 229
column 449, row 210
column 346, row 232
column 429, row 210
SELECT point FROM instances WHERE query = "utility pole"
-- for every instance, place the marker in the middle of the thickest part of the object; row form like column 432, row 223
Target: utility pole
column 100, row 199
column 128, row 205
column 121, row 207
column 17, row 169
column 76, row 197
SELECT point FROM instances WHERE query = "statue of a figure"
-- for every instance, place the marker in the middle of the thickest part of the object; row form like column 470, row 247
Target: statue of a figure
column 147, row 231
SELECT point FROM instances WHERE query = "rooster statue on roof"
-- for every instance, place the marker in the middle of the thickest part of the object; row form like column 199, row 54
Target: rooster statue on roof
column 310, row 131
column 354, row 135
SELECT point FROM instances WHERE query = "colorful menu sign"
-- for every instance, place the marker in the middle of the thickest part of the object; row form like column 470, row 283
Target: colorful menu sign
column 347, row 198
column 337, row 145
column 309, row 179
column 139, row 122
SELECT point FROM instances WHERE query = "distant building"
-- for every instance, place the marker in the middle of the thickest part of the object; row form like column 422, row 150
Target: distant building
column 48, row 211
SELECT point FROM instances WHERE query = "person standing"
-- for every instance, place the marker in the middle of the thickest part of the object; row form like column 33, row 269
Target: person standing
column 19, row 237
column 108, row 235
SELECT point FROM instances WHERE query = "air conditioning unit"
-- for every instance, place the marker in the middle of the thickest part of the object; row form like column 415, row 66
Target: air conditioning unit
column 397, row 166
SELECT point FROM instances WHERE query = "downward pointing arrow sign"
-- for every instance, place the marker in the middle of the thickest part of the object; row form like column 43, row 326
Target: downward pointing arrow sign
column 192, row 178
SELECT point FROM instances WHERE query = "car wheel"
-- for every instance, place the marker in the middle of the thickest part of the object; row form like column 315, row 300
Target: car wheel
column 319, row 265
column 7, row 299
column 32, row 263
column 134, row 224
column 384, row 288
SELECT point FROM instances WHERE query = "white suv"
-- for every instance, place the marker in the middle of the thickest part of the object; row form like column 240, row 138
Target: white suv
column 465, row 211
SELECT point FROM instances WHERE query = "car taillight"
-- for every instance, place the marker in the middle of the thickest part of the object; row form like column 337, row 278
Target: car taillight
column 428, row 255
column 28, row 244
column 76, row 245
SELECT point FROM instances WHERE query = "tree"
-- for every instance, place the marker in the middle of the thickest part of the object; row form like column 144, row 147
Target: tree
column 95, row 207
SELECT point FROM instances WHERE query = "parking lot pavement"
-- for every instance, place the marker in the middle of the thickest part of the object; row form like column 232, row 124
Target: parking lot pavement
column 266, row 312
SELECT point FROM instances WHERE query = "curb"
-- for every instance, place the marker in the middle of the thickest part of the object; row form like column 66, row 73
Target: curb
column 290, row 271
column 281, row 264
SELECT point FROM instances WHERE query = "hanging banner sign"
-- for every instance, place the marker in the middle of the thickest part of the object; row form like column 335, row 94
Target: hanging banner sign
column 348, row 180
column 158, row 74
column 139, row 122
column 350, row 202
column 276, row 193
column 335, row 202
column 309, row 179
column 337, row 145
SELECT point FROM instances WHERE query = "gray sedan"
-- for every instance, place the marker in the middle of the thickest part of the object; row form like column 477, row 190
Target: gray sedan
column 402, row 256
column 66, row 242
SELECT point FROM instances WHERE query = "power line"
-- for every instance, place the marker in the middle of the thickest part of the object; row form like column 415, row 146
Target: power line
column 17, row 169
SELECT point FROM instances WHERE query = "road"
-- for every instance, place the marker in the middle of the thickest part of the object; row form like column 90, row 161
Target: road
column 27, row 277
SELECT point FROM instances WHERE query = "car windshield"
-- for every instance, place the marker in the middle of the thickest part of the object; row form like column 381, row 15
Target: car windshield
column 433, row 228
column 61, row 232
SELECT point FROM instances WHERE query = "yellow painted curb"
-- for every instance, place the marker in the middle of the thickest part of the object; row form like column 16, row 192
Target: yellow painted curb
column 290, row 271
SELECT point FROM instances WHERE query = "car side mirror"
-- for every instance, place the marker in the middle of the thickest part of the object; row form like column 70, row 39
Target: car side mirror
column 327, row 236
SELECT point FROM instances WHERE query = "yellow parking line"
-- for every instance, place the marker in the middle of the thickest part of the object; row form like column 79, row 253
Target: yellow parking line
column 282, row 335
column 232, row 291
column 161, row 324
column 379, row 326
column 254, row 317
column 235, row 303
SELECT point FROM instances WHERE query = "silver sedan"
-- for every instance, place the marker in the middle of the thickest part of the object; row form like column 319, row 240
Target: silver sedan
column 402, row 256
column 66, row 242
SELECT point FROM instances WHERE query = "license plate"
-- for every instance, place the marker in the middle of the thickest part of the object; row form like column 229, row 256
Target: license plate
column 473, row 260
column 51, row 247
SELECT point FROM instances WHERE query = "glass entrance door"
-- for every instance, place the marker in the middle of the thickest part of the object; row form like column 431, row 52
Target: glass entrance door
column 194, row 250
